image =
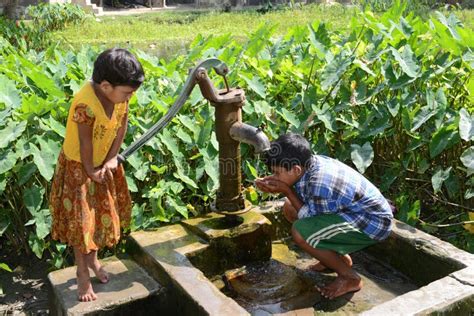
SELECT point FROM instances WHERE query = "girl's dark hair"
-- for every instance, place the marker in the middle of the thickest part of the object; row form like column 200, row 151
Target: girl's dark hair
column 287, row 151
column 119, row 67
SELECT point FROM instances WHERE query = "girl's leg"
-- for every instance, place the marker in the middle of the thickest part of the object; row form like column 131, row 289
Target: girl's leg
column 94, row 264
column 347, row 279
column 85, row 293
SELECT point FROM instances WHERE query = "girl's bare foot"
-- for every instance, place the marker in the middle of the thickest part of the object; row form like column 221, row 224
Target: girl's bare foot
column 85, row 292
column 319, row 267
column 341, row 285
column 99, row 271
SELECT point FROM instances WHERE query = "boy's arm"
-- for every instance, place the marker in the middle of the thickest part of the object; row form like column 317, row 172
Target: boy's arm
column 294, row 199
column 275, row 186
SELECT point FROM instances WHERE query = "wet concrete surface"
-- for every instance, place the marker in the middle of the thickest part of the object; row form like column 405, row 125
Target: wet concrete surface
column 285, row 285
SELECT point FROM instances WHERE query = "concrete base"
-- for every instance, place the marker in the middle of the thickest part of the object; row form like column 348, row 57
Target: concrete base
column 184, row 258
column 444, row 272
column 165, row 254
column 88, row 6
column 129, row 291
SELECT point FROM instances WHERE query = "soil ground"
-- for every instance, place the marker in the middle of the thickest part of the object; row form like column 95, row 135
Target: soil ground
column 25, row 289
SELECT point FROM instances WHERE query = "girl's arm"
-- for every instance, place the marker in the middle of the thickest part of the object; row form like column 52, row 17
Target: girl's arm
column 111, row 158
column 85, row 140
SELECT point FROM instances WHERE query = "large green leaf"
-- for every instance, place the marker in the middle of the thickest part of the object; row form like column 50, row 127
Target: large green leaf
column 170, row 142
column 11, row 132
column 466, row 125
column 326, row 116
column 320, row 39
column 45, row 159
column 362, row 156
column 407, row 61
column 335, row 69
column 37, row 245
column 211, row 166
column 181, row 174
column 444, row 138
column 4, row 266
column 467, row 158
column 439, row 177
column 40, row 79
column 8, row 160
column 177, row 204
column 256, row 85
column 42, row 223
column 290, row 117
column 436, row 100
column 5, row 221
column 9, row 95
column 33, row 198
column 421, row 117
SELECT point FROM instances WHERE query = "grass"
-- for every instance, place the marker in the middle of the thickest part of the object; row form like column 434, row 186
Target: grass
column 166, row 32
column 175, row 29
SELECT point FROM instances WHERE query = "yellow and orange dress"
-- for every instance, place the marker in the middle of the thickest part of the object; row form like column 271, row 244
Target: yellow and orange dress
column 85, row 213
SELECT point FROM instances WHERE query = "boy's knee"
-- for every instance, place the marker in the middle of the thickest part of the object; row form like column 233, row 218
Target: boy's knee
column 297, row 238
column 287, row 206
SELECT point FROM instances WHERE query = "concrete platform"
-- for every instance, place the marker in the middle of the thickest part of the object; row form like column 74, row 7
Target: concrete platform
column 130, row 291
column 166, row 254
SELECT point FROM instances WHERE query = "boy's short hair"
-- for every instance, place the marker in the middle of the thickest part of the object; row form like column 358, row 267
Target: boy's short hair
column 287, row 151
column 119, row 67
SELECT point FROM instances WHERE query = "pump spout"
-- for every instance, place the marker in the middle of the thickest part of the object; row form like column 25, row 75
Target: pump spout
column 248, row 134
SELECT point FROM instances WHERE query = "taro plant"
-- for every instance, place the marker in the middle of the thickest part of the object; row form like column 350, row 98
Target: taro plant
column 393, row 98
column 55, row 16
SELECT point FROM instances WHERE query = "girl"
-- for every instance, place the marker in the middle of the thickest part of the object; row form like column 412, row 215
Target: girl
column 89, row 198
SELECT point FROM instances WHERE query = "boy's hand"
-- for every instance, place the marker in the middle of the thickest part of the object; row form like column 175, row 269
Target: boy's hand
column 112, row 164
column 271, row 185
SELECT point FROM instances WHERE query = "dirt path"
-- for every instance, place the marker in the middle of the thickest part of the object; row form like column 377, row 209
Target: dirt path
column 24, row 289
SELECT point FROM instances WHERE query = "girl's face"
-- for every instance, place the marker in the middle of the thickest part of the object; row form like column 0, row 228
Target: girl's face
column 119, row 94
column 116, row 94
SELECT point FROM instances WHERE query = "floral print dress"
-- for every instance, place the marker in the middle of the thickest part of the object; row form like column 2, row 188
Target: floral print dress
column 88, row 214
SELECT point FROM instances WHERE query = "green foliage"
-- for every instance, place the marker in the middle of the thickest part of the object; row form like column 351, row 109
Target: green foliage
column 418, row 6
column 393, row 98
column 35, row 34
column 56, row 16
column 22, row 36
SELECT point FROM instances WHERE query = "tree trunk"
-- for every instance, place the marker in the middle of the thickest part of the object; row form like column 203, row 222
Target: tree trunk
column 9, row 10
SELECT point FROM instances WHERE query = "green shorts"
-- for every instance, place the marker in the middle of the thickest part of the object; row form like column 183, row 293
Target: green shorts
column 332, row 232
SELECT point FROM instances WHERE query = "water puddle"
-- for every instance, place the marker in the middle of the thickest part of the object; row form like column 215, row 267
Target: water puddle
column 286, row 284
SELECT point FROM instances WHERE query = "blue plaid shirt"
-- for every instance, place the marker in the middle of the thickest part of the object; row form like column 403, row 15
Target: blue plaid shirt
column 330, row 187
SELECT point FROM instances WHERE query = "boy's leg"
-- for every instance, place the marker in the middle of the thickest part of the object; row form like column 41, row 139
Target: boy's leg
column 319, row 267
column 289, row 211
column 94, row 263
column 85, row 293
column 329, row 238
column 347, row 279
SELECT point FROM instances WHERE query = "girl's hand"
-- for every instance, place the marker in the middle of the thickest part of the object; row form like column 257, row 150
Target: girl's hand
column 112, row 164
column 97, row 175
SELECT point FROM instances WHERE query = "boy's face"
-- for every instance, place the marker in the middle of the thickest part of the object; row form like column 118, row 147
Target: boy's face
column 288, row 177
column 118, row 94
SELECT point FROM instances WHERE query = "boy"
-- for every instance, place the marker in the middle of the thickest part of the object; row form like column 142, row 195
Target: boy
column 333, row 208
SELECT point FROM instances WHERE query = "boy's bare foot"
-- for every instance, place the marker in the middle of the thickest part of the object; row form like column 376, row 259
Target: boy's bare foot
column 341, row 285
column 319, row 267
column 99, row 271
column 85, row 293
